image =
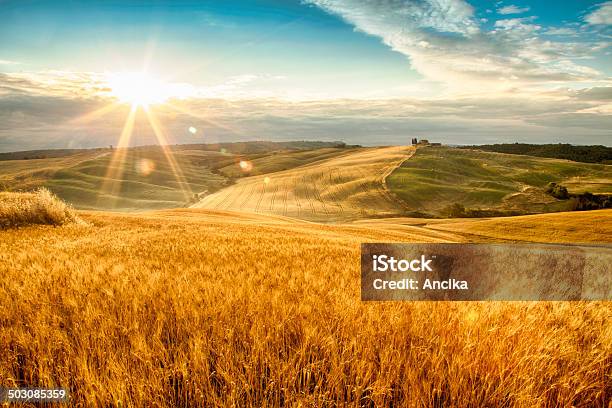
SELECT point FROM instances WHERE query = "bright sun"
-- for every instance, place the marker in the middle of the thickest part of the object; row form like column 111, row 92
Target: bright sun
column 138, row 88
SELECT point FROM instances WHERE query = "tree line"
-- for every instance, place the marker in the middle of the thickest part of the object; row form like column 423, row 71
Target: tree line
column 584, row 154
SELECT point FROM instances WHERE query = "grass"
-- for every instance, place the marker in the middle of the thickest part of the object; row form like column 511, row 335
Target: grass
column 188, row 307
column 438, row 176
column 40, row 207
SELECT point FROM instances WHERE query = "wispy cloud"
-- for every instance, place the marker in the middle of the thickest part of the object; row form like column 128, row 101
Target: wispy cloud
column 561, row 31
column 600, row 16
column 445, row 42
column 512, row 9
column 9, row 62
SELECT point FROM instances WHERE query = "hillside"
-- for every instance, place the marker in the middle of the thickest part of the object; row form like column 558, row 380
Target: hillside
column 142, row 178
column 340, row 187
column 237, row 309
column 308, row 180
column 437, row 177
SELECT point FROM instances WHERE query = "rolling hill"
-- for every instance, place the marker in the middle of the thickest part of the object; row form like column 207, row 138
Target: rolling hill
column 307, row 180
column 437, row 177
column 143, row 178
column 341, row 187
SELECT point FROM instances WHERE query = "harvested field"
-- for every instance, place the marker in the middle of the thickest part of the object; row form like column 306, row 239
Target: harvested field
column 344, row 187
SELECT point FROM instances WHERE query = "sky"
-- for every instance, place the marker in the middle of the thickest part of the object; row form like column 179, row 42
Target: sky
column 372, row 72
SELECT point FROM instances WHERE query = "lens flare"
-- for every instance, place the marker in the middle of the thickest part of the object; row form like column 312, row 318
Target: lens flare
column 145, row 167
column 267, row 180
column 245, row 166
column 193, row 130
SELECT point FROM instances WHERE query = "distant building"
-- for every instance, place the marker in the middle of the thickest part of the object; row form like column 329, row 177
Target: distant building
column 424, row 142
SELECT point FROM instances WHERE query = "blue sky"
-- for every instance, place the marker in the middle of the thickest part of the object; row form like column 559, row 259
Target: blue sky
column 344, row 68
column 200, row 42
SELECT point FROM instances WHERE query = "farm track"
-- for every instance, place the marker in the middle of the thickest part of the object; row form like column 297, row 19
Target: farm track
column 273, row 200
column 237, row 194
column 341, row 188
column 286, row 193
column 248, row 197
column 332, row 192
column 261, row 195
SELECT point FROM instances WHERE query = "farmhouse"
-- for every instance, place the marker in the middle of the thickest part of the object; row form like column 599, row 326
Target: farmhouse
column 424, row 142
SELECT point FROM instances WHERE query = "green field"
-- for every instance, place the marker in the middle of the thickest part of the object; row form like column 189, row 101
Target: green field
column 436, row 177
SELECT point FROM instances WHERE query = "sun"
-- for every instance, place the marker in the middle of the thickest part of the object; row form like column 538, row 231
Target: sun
column 138, row 88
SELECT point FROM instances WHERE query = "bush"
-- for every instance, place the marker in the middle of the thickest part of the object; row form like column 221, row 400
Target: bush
column 457, row 210
column 580, row 202
column 557, row 191
column 588, row 201
column 39, row 207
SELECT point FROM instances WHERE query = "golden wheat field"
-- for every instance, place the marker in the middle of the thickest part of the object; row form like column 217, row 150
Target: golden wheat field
column 344, row 187
column 213, row 308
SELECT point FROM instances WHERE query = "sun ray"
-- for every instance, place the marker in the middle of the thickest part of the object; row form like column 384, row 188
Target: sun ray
column 163, row 142
column 112, row 180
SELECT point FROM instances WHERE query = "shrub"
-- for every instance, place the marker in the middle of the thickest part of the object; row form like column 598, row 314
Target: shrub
column 39, row 207
column 580, row 202
column 557, row 191
column 588, row 201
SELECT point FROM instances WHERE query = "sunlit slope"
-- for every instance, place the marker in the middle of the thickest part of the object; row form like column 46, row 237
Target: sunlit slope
column 437, row 177
column 343, row 187
column 144, row 180
column 577, row 226
column 25, row 175
column 197, row 307
column 270, row 162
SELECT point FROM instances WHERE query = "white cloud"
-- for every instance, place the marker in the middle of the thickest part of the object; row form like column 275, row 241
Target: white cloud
column 520, row 24
column 602, row 15
column 8, row 62
column 512, row 9
column 42, row 111
column 444, row 42
column 561, row 31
